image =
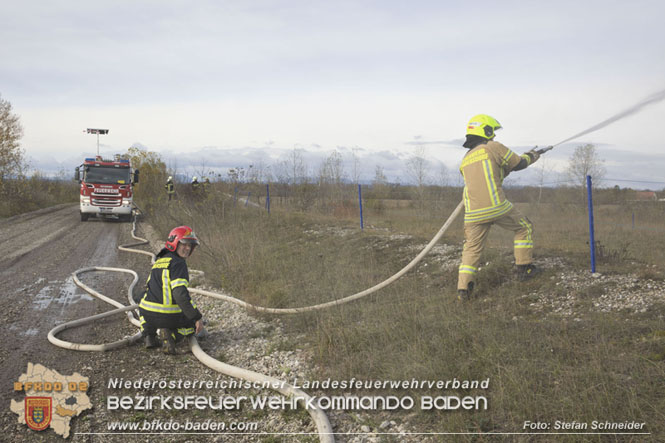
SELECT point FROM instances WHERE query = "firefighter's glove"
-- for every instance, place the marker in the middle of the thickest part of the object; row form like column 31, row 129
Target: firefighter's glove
column 534, row 155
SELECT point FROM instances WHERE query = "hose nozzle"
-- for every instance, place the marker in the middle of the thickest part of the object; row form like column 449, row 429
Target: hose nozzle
column 544, row 150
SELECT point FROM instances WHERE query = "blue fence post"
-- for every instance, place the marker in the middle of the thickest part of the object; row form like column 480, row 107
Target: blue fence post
column 592, row 242
column 268, row 197
column 235, row 195
column 360, row 204
column 633, row 219
column 248, row 194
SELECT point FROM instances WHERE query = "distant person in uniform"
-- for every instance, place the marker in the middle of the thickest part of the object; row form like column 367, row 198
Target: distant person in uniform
column 170, row 187
column 195, row 184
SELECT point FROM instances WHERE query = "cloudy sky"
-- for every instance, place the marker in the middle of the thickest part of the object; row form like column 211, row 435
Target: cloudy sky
column 230, row 82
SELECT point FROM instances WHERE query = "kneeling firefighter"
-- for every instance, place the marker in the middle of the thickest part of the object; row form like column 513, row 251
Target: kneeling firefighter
column 484, row 167
column 166, row 304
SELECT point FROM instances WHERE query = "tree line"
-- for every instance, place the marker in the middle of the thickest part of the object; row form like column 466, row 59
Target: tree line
column 290, row 177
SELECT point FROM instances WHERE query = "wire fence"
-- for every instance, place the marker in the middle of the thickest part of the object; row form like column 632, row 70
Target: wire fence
column 618, row 226
column 604, row 179
column 628, row 224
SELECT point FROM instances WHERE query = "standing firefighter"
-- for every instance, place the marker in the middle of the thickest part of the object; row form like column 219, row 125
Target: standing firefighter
column 170, row 187
column 484, row 167
column 195, row 184
column 166, row 304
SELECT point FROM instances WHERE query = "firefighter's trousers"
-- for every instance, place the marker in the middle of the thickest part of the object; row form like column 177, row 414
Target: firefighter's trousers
column 475, row 236
column 180, row 325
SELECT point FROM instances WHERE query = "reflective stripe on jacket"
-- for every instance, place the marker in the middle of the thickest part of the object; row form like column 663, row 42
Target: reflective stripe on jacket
column 168, row 273
column 484, row 168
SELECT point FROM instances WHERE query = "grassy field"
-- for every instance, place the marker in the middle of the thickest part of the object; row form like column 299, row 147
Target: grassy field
column 544, row 364
column 36, row 192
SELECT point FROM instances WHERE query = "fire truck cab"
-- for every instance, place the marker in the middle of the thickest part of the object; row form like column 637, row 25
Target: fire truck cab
column 106, row 187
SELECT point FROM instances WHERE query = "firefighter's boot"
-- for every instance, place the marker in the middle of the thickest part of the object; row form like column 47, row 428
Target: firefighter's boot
column 169, row 341
column 464, row 295
column 151, row 342
column 527, row 272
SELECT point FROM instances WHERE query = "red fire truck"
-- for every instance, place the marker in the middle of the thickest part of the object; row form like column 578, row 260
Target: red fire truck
column 106, row 187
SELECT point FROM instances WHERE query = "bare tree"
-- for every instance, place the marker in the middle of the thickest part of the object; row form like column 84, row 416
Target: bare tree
column 332, row 169
column 292, row 169
column 237, row 175
column 585, row 161
column 202, row 171
column 543, row 172
column 380, row 182
column 12, row 160
column 379, row 176
column 172, row 168
column 259, row 172
column 290, row 172
column 443, row 176
column 331, row 175
column 297, row 168
column 281, row 169
column 355, row 170
column 417, row 169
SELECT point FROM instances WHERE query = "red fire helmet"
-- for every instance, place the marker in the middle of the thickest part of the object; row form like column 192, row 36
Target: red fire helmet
column 183, row 234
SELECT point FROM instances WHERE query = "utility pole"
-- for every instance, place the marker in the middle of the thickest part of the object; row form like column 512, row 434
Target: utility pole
column 97, row 131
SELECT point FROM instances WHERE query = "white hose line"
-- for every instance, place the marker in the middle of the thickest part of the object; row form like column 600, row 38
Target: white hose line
column 341, row 301
column 102, row 297
column 320, row 419
column 84, row 321
column 323, row 426
column 120, row 308
column 329, row 304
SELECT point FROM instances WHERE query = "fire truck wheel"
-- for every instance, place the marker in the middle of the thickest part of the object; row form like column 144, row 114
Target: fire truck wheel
column 84, row 217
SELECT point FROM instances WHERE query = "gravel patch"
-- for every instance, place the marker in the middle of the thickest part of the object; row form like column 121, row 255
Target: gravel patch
column 577, row 292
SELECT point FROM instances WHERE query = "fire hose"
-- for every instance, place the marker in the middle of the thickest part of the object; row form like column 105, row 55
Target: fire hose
column 320, row 419
column 318, row 416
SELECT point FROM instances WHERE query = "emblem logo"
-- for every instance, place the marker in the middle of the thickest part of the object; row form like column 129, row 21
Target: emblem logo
column 38, row 412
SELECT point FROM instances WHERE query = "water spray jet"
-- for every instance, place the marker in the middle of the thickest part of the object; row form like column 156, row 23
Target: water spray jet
column 649, row 100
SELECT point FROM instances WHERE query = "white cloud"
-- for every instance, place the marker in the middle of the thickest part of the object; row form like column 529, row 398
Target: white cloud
column 177, row 76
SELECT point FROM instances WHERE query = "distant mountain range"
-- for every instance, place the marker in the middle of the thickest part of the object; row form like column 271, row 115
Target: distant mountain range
column 624, row 168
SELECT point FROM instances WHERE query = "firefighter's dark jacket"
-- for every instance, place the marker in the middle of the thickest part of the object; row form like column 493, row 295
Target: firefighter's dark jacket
column 166, row 289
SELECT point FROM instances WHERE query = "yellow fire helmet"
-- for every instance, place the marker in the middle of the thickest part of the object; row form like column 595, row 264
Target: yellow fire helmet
column 483, row 126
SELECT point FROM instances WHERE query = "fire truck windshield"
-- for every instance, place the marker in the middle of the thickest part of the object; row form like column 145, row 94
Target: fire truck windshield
column 108, row 175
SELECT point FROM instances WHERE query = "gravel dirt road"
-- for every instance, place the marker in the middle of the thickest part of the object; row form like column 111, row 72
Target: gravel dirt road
column 41, row 250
